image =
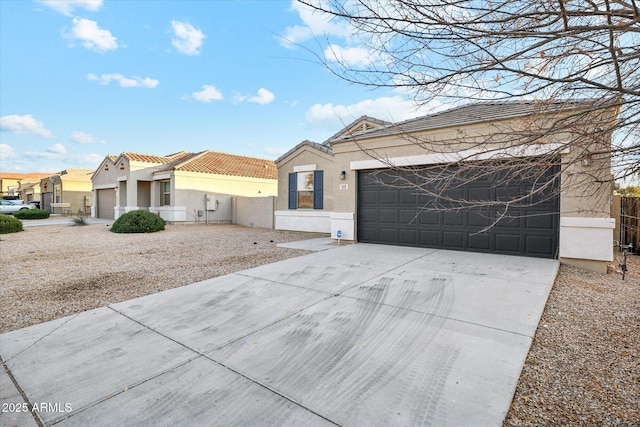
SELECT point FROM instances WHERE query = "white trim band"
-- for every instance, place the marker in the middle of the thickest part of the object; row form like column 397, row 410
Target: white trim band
column 465, row 155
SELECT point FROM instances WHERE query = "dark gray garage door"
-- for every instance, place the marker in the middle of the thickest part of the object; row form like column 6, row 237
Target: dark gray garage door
column 390, row 214
column 106, row 203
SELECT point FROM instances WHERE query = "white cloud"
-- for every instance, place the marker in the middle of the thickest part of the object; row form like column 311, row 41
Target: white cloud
column 60, row 161
column 43, row 155
column 207, row 94
column 24, row 124
column 105, row 79
column 348, row 56
column 264, row 97
column 392, row 109
column 92, row 36
column 315, row 24
column 6, row 153
column 57, row 149
column 82, row 138
column 188, row 39
column 66, row 7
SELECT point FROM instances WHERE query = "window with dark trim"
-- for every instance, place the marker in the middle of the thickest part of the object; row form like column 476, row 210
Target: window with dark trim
column 306, row 190
column 165, row 193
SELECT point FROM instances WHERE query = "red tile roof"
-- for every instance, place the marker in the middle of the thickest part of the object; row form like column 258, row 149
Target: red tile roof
column 225, row 164
column 147, row 158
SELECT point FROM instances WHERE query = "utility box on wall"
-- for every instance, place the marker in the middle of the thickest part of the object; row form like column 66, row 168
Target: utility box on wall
column 212, row 202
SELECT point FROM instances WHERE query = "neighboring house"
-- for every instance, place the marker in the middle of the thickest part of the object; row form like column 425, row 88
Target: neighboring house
column 67, row 192
column 336, row 187
column 10, row 182
column 29, row 191
column 181, row 186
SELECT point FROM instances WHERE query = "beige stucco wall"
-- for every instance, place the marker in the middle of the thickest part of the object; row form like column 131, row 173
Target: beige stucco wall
column 586, row 186
column 7, row 185
column 225, row 184
column 254, row 211
column 75, row 195
column 306, row 155
column 586, row 190
column 188, row 190
column 104, row 176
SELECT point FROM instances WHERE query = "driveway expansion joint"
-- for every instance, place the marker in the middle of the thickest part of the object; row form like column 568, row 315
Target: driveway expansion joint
column 205, row 356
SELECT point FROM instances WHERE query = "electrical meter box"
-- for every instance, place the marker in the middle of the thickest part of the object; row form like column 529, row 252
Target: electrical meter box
column 212, row 202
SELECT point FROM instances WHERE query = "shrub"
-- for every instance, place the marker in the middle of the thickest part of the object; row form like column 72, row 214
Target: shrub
column 31, row 214
column 80, row 221
column 138, row 222
column 9, row 224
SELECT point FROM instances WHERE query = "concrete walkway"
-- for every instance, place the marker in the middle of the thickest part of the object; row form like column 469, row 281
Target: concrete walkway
column 358, row 335
column 61, row 220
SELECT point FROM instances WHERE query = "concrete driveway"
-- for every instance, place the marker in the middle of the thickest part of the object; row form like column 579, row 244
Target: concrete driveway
column 358, row 335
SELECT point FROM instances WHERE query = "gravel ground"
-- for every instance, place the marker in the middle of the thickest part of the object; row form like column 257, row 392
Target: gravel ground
column 583, row 368
column 56, row 270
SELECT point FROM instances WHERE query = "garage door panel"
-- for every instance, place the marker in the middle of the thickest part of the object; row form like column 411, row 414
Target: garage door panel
column 512, row 220
column 540, row 245
column 407, row 216
column 369, row 216
column 369, row 197
column 408, row 237
column 479, row 242
column 508, row 243
column 539, row 220
column 505, row 194
column 106, row 199
column 388, row 235
column 408, row 197
column 430, row 238
column 479, row 218
column 401, row 216
column 479, row 194
column 368, row 234
column 452, row 218
column 387, row 197
column 453, row 239
column 429, row 218
column 388, row 216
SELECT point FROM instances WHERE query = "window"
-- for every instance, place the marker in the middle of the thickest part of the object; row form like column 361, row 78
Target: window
column 165, row 193
column 305, row 190
column 57, row 196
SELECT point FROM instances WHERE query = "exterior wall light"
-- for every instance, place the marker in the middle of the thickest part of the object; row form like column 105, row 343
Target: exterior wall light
column 343, row 175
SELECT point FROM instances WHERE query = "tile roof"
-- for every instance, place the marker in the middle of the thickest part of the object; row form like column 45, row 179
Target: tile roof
column 21, row 176
column 307, row 143
column 147, row 158
column 472, row 113
column 223, row 164
column 360, row 124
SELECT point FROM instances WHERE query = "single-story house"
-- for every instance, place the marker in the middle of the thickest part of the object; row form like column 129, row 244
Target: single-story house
column 29, row 191
column 67, row 192
column 181, row 186
column 10, row 182
column 354, row 184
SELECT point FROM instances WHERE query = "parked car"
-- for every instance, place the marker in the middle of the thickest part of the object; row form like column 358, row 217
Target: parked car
column 11, row 206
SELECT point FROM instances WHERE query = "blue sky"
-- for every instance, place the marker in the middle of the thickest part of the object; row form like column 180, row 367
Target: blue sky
column 86, row 78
